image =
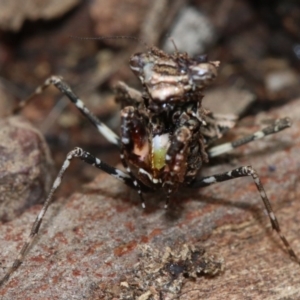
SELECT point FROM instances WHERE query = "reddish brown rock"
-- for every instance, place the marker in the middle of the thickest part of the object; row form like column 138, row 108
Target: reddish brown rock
column 113, row 17
column 25, row 167
column 88, row 246
column 12, row 15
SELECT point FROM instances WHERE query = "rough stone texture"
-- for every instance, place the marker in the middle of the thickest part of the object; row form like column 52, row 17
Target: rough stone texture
column 162, row 274
column 117, row 17
column 12, row 16
column 89, row 243
column 236, row 101
column 25, row 167
column 192, row 33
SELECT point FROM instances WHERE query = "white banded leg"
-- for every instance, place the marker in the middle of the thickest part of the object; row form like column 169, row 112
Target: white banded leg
column 242, row 172
column 66, row 90
column 130, row 124
column 137, row 185
column 278, row 125
column 76, row 153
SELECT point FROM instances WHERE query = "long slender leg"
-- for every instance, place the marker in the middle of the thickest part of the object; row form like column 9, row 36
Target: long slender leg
column 216, row 126
column 130, row 125
column 76, row 153
column 66, row 90
column 127, row 96
column 278, row 125
column 242, row 172
column 179, row 145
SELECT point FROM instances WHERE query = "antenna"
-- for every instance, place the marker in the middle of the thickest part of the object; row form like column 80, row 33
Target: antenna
column 116, row 37
column 174, row 44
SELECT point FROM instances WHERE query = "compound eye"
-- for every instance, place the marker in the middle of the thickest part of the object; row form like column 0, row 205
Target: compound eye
column 136, row 63
column 203, row 74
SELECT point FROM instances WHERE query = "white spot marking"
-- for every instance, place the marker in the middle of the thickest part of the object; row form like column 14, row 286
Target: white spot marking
column 176, row 168
column 80, row 104
column 258, row 135
column 272, row 216
column 41, row 214
column 179, row 157
column 211, row 179
column 154, row 180
column 125, row 140
column 121, row 175
column 160, row 142
column 218, row 150
column 38, row 90
column 66, row 164
column 57, row 183
column 108, row 134
column 169, row 182
column 137, row 69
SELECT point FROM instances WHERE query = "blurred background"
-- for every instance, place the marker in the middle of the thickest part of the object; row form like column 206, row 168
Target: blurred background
column 257, row 42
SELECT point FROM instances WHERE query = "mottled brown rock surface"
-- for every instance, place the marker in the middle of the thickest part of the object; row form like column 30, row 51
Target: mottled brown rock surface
column 89, row 243
column 25, row 167
column 119, row 17
column 12, row 15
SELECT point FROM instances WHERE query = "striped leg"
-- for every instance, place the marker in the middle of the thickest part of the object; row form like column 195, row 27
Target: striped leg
column 242, row 172
column 130, row 124
column 127, row 96
column 278, row 125
column 76, row 153
column 66, row 90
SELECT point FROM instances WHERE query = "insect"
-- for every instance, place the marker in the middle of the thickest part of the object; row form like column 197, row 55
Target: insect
column 166, row 134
